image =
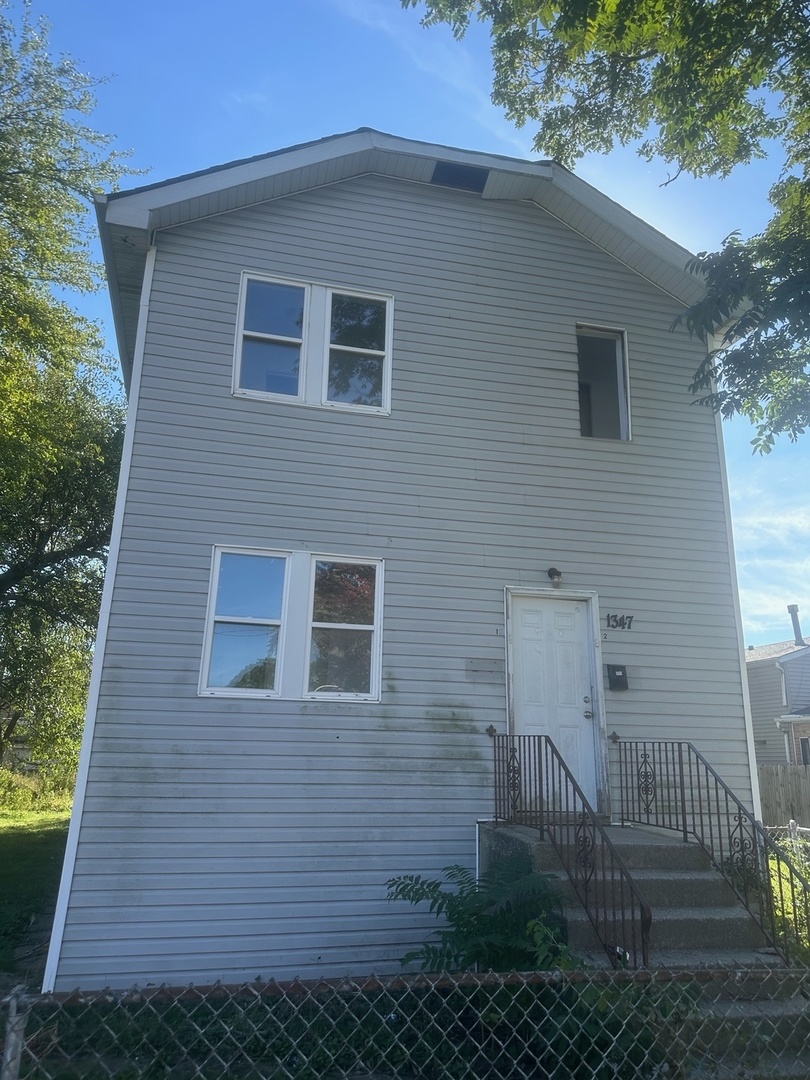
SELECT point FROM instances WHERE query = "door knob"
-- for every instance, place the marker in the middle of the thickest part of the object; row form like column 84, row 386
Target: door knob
column 588, row 714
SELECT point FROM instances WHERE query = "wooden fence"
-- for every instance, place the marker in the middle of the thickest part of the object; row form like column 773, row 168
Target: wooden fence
column 785, row 791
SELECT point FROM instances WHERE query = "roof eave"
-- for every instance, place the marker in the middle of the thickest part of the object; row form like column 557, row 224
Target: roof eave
column 131, row 217
column 138, row 207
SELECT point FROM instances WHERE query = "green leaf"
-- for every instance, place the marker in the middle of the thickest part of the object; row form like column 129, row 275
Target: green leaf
column 705, row 88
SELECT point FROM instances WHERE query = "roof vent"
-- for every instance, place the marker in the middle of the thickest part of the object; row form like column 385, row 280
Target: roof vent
column 464, row 177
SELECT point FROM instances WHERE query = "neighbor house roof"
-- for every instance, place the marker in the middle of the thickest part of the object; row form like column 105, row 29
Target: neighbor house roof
column 781, row 650
column 128, row 219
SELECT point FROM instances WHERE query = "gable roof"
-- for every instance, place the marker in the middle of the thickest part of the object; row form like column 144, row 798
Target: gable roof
column 128, row 219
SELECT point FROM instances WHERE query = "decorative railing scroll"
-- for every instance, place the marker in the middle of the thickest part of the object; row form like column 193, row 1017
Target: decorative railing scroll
column 534, row 787
column 670, row 785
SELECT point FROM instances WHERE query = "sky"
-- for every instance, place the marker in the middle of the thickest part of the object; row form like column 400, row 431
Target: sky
column 194, row 84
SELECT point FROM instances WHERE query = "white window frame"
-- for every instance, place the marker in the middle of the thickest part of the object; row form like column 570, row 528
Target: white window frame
column 313, row 374
column 295, row 631
column 211, row 620
column 619, row 335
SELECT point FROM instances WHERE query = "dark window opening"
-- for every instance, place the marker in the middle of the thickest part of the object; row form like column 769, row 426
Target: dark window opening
column 805, row 748
column 603, row 405
column 465, row 177
column 585, row 415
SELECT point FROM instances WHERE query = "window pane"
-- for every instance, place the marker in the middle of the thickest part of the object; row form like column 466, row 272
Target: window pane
column 355, row 379
column 244, row 657
column 340, row 661
column 250, row 586
column 269, row 367
column 357, row 322
column 274, row 309
column 344, row 593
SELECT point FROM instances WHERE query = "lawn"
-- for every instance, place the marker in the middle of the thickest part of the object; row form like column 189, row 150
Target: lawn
column 32, row 845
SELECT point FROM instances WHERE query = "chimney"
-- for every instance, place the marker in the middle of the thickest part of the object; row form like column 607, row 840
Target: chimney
column 793, row 610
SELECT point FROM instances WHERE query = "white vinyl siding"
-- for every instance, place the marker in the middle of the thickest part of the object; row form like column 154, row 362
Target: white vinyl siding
column 313, row 344
column 766, row 689
column 231, row 837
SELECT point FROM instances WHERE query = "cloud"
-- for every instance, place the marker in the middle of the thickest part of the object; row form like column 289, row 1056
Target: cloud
column 772, row 540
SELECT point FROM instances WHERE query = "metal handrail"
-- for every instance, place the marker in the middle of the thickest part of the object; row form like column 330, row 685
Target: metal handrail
column 670, row 785
column 534, row 787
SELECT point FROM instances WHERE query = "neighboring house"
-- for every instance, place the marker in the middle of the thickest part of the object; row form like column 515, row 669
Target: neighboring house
column 411, row 457
column 779, row 689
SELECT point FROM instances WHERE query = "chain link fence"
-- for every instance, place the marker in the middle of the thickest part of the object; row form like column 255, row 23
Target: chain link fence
column 574, row 1025
column 791, row 834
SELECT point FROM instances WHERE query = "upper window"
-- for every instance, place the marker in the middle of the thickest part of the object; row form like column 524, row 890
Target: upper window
column 314, row 344
column 293, row 625
column 603, row 395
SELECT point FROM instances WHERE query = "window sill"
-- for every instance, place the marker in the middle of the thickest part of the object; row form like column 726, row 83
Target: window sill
column 268, row 695
column 259, row 395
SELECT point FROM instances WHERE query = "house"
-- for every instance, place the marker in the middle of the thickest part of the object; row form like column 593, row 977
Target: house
column 411, row 458
column 779, row 689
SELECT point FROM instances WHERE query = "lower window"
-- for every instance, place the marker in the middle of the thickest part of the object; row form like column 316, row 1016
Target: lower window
column 293, row 625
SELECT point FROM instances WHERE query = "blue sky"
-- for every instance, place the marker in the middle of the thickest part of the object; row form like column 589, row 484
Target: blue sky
column 193, row 84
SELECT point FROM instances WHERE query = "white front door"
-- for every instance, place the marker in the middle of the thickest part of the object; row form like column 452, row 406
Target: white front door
column 551, row 664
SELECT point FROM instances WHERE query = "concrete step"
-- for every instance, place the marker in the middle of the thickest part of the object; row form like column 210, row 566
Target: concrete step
column 749, row 1028
column 684, row 888
column 649, row 849
column 639, row 849
column 692, row 929
column 694, row 911
column 754, row 961
column 666, row 888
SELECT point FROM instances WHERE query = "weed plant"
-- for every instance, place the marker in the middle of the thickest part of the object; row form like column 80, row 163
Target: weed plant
column 33, row 792
column 791, row 903
column 508, row 919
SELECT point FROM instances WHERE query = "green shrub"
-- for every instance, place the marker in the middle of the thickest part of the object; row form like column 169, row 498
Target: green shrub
column 34, row 791
column 791, row 904
column 509, row 919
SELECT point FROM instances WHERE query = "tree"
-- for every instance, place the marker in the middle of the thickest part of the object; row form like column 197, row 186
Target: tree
column 46, row 673
column 60, row 446
column 705, row 87
column 60, row 410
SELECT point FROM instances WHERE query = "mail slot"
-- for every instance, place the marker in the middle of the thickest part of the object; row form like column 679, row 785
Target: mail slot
column 617, row 677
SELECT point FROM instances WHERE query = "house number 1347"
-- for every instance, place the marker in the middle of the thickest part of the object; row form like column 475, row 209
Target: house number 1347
column 618, row 622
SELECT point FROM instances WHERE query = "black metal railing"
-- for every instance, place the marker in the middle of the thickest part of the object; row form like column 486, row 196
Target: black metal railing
column 670, row 785
column 534, row 787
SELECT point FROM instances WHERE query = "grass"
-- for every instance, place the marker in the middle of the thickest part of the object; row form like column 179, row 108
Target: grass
column 32, row 845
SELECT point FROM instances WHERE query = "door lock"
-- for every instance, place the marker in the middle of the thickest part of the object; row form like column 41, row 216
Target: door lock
column 588, row 714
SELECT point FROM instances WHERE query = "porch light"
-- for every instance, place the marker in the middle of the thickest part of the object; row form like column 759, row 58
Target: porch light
column 555, row 575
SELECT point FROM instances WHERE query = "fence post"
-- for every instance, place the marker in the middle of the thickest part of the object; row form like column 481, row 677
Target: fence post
column 15, row 1034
